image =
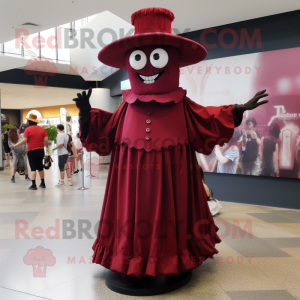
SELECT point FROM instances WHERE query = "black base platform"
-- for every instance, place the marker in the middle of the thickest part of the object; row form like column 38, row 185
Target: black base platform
column 147, row 286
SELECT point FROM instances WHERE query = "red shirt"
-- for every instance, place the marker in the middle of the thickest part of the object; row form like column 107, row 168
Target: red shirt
column 35, row 137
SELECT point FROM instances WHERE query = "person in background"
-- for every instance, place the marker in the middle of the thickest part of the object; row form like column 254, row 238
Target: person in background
column 213, row 204
column 21, row 134
column 79, row 154
column 36, row 139
column 6, row 148
column 73, row 154
column 204, row 184
column 19, row 154
column 250, row 149
column 269, row 152
column 63, row 154
column 22, row 129
column 228, row 155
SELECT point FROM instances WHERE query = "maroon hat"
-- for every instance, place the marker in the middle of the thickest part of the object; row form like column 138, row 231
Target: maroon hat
column 152, row 27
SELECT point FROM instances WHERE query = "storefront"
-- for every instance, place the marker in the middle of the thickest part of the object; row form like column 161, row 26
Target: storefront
column 54, row 115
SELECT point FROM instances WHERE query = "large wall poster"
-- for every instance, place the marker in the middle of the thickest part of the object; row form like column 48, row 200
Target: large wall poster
column 268, row 141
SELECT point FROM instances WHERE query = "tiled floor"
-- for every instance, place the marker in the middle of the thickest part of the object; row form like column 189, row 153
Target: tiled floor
column 259, row 257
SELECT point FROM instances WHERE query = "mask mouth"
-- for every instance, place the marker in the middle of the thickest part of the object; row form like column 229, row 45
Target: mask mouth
column 149, row 79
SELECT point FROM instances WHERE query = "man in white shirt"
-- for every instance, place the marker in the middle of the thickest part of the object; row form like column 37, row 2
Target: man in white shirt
column 228, row 156
column 63, row 154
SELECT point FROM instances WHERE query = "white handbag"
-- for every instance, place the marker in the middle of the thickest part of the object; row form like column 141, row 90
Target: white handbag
column 214, row 206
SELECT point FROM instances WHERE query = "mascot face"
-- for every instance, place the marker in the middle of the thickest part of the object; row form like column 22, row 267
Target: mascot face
column 153, row 69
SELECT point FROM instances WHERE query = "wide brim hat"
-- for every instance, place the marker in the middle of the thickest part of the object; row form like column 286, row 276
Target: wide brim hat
column 33, row 118
column 152, row 27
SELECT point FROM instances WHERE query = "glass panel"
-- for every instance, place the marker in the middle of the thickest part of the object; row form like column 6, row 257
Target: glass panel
column 64, row 62
column 92, row 17
column 31, row 46
column 49, row 44
column 1, row 48
column 67, row 25
column 63, row 53
column 14, row 55
column 80, row 23
column 12, row 47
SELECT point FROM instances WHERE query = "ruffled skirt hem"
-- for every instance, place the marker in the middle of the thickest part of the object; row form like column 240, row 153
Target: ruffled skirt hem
column 138, row 266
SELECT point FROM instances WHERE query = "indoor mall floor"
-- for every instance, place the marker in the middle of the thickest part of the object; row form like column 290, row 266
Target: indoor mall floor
column 259, row 257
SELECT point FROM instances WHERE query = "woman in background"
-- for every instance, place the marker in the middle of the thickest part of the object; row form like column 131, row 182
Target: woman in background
column 250, row 148
column 6, row 148
column 269, row 152
column 213, row 204
column 22, row 129
column 73, row 155
column 79, row 154
column 19, row 154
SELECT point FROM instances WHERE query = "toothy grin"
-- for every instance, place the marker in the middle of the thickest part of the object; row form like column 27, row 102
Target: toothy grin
column 149, row 79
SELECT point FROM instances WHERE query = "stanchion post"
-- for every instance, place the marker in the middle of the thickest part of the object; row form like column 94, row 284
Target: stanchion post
column 90, row 176
column 83, row 187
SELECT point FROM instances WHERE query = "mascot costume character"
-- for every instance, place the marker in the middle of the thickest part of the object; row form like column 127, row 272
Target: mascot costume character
column 155, row 220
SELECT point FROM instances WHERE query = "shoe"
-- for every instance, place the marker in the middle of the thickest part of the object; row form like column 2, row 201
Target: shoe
column 69, row 183
column 75, row 172
column 27, row 178
column 13, row 180
column 81, row 169
column 60, row 183
column 42, row 185
column 33, row 187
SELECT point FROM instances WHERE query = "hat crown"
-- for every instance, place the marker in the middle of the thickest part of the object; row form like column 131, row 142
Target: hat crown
column 154, row 19
column 33, row 116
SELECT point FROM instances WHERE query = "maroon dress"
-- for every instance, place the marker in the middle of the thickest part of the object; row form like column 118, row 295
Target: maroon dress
column 155, row 218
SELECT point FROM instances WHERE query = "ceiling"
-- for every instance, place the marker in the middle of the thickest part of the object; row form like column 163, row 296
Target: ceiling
column 188, row 14
column 17, row 96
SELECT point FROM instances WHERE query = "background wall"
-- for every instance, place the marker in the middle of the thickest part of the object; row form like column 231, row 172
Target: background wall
column 258, row 35
column 14, row 115
column 113, row 82
column 52, row 111
column 269, row 33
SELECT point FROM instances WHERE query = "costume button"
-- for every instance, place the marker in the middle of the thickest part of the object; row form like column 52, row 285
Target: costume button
column 147, row 129
column 147, row 138
column 149, row 113
column 148, row 121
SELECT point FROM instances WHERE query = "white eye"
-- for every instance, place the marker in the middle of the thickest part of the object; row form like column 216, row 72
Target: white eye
column 159, row 58
column 138, row 59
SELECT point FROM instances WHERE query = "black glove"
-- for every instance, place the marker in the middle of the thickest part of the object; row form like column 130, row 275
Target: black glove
column 239, row 109
column 84, row 106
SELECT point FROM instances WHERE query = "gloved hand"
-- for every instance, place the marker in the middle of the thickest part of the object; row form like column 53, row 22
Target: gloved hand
column 239, row 109
column 84, row 106
column 253, row 103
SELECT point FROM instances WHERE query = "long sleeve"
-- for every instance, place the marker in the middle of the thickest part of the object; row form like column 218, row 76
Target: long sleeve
column 102, row 129
column 237, row 116
column 208, row 126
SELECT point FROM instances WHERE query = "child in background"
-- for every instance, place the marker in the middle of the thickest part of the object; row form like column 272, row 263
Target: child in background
column 79, row 154
column 72, row 153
